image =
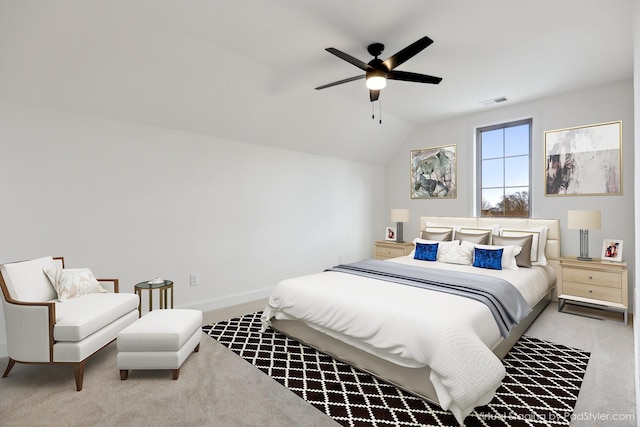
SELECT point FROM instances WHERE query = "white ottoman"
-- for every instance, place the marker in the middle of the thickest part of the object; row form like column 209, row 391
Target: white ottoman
column 161, row 339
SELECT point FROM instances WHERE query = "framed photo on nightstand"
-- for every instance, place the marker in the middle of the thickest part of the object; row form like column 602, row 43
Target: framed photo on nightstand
column 390, row 234
column 611, row 250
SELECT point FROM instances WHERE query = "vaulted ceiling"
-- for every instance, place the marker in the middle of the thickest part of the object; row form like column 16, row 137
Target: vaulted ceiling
column 246, row 70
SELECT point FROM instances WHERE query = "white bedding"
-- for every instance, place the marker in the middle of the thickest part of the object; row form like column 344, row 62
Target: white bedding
column 385, row 319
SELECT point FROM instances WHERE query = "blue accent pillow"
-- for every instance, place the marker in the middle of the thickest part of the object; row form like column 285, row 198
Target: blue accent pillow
column 488, row 258
column 426, row 251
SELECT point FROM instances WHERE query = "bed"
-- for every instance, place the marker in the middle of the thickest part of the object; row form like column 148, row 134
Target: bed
column 442, row 347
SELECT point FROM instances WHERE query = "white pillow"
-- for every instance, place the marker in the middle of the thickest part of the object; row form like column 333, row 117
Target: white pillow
column 432, row 226
column 495, row 229
column 456, row 254
column 73, row 282
column 509, row 254
column 538, row 244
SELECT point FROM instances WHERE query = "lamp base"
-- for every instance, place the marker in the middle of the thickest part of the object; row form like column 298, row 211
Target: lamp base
column 399, row 233
column 584, row 246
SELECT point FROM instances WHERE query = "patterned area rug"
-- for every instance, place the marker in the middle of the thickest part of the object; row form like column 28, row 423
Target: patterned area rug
column 540, row 389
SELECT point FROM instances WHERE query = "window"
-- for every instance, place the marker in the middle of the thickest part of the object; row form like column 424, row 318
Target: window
column 504, row 169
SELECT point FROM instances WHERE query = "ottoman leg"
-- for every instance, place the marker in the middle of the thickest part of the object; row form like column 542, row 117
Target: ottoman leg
column 124, row 374
column 197, row 349
column 175, row 373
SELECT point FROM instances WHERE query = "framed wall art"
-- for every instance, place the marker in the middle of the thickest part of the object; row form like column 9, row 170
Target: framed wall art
column 611, row 250
column 433, row 173
column 585, row 160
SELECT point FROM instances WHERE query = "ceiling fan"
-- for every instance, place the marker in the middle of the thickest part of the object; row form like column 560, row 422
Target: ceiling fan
column 378, row 71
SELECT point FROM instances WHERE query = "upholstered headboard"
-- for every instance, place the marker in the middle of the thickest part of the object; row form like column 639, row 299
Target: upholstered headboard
column 552, row 249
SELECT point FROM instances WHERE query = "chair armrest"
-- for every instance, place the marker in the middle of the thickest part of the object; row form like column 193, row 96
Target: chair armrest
column 29, row 328
column 115, row 282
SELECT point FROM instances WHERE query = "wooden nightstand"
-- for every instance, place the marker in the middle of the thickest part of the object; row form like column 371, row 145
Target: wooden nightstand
column 596, row 284
column 384, row 249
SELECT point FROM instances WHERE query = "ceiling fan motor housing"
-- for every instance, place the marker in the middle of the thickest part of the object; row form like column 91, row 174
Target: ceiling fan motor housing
column 377, row 69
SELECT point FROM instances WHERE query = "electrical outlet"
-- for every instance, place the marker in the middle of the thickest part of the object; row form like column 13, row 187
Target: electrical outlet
column 194, row 279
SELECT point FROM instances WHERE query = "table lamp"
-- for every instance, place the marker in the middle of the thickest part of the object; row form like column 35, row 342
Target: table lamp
column 399, row 216
column 584, row 221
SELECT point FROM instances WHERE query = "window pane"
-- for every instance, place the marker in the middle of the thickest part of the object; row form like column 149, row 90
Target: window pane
column 516, row 171
column 516, row 140
column 491, row 198
column 516, row 201
column 492, row 173
column 492, row 144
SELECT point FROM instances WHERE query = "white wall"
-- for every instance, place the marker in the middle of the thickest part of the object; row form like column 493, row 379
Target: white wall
column 636, row 91
column 132, row 201
column 601, row 104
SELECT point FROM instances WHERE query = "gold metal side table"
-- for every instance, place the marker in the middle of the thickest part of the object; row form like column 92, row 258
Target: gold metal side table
column 163, row 287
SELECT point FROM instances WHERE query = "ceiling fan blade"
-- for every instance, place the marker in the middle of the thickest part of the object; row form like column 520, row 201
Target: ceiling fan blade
column 339, row 82
column 374, row 95
column 350, row 59
column 413, row 77
column 407, row 53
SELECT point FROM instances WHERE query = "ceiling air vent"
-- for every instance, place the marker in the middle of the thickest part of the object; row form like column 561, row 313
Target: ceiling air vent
column 494, row 101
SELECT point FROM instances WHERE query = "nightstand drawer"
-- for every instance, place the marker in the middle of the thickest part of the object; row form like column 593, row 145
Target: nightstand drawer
column 593, row 291
column 387, row 252
column 592, row 277
column 385, row 249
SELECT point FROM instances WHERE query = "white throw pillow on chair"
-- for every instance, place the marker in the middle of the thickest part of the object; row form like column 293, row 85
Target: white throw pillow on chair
column 73, row 282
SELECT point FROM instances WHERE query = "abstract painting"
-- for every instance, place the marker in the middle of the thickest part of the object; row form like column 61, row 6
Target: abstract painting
column 585, row 160
column 433, row 173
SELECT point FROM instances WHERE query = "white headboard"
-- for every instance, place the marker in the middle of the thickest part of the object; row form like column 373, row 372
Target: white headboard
column 552, row 250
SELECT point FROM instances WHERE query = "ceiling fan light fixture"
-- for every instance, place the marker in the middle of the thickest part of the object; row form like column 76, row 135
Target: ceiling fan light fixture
column 376, row 79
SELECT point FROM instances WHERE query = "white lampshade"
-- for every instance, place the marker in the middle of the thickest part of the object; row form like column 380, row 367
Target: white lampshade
column 376, row 82
column 399, row 215
column 583, row 220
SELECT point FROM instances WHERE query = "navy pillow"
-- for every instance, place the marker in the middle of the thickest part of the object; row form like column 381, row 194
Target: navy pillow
column 488, row 258
column 426, row 251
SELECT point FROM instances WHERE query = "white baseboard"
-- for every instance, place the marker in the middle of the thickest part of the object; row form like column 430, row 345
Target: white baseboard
column 230, row 300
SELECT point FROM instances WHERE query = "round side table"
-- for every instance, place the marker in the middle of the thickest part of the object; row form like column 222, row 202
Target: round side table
column 163, row 287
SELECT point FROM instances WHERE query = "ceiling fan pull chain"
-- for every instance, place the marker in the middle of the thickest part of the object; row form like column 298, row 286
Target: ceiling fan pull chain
column 380, row 111
column 373, row 112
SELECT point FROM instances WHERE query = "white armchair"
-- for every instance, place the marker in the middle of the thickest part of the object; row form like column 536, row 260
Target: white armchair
column 43, row 329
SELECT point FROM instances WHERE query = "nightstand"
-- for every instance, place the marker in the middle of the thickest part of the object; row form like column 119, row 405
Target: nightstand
column 595, row 284
column 388, row 249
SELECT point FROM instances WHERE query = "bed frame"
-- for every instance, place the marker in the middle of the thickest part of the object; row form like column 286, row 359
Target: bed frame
column 416, row 380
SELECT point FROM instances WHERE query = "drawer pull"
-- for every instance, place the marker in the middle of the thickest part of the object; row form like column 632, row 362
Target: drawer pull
column 590, row 277
column 590, row 291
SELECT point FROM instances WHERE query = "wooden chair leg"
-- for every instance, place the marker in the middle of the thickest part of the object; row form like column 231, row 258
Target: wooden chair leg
column 197, row 349
column 78, row 372
column 9, row 367
column 175, row 373
column 124, row 374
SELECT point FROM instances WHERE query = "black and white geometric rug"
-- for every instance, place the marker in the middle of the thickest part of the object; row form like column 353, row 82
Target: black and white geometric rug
column 540, row 389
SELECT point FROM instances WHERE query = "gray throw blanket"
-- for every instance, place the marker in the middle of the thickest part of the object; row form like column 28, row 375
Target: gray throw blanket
column 505, row 302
